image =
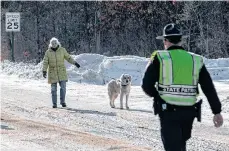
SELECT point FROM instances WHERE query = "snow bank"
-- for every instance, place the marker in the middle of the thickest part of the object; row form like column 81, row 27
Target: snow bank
column 218, row 68
column 99, row 69
column 114, row 67
column 88, row 72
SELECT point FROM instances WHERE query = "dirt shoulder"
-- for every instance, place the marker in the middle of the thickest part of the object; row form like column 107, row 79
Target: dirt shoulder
column 54, row 137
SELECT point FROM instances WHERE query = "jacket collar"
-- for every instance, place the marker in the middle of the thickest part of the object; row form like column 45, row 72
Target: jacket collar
column 175, row 47
column 55, row 49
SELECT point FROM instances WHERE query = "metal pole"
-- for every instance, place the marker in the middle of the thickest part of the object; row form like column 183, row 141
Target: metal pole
column 97, row 24
column 12, row 46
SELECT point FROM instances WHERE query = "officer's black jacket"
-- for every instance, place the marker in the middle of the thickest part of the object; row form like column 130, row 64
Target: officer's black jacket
column 152, row 76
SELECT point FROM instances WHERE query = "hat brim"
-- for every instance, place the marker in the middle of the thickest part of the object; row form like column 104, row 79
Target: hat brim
column 163, row 37
column 160, row 37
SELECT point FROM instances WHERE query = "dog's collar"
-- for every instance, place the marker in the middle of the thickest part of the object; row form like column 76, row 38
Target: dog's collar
column 123, row 85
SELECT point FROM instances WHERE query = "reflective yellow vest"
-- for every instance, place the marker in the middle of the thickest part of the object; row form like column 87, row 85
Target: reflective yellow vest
column 178, row 77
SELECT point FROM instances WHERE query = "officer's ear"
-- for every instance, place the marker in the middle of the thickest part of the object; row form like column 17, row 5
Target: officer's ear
column 165, row 41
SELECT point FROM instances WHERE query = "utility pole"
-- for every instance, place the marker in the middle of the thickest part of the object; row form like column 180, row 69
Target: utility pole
column 12, row 47
column 97, row 24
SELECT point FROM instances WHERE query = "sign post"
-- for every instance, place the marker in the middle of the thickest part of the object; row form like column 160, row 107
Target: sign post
column 12, row 25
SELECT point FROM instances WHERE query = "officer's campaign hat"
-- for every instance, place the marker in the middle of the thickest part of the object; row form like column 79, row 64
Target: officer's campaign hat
column 170, row 30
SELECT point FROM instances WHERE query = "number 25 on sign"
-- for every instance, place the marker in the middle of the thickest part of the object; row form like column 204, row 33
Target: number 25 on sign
column 12, row 22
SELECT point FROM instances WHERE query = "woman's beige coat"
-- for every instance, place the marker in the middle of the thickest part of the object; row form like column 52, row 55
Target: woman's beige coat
column 54, row 62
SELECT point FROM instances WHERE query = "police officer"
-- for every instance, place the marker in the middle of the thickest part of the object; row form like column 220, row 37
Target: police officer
column 172, row 77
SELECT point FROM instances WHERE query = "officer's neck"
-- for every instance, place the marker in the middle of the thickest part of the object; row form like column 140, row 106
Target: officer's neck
column 174, row 47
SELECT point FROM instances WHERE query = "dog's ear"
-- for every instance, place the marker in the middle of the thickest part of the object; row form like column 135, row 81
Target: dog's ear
column 130, row 77
column 118, row 80
column 121, row 76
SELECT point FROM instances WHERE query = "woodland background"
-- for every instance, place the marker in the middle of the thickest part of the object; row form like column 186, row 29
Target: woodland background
column 115, row 27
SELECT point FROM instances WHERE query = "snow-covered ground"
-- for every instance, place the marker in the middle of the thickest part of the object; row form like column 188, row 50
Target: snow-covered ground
column 28, row 121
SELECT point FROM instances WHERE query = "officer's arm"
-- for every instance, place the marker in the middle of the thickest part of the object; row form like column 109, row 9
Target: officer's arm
column 151, row 77
column 208, row 88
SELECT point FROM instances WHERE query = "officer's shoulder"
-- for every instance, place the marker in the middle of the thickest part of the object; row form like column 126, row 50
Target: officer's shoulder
column 153, row 55
column 194, row 54
column 156, row 52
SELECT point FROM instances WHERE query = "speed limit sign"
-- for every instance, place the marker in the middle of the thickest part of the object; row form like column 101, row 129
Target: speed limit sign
column 12, row 21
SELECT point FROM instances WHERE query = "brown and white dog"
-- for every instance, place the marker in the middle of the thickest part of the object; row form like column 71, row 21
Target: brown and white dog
column 120, row 86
